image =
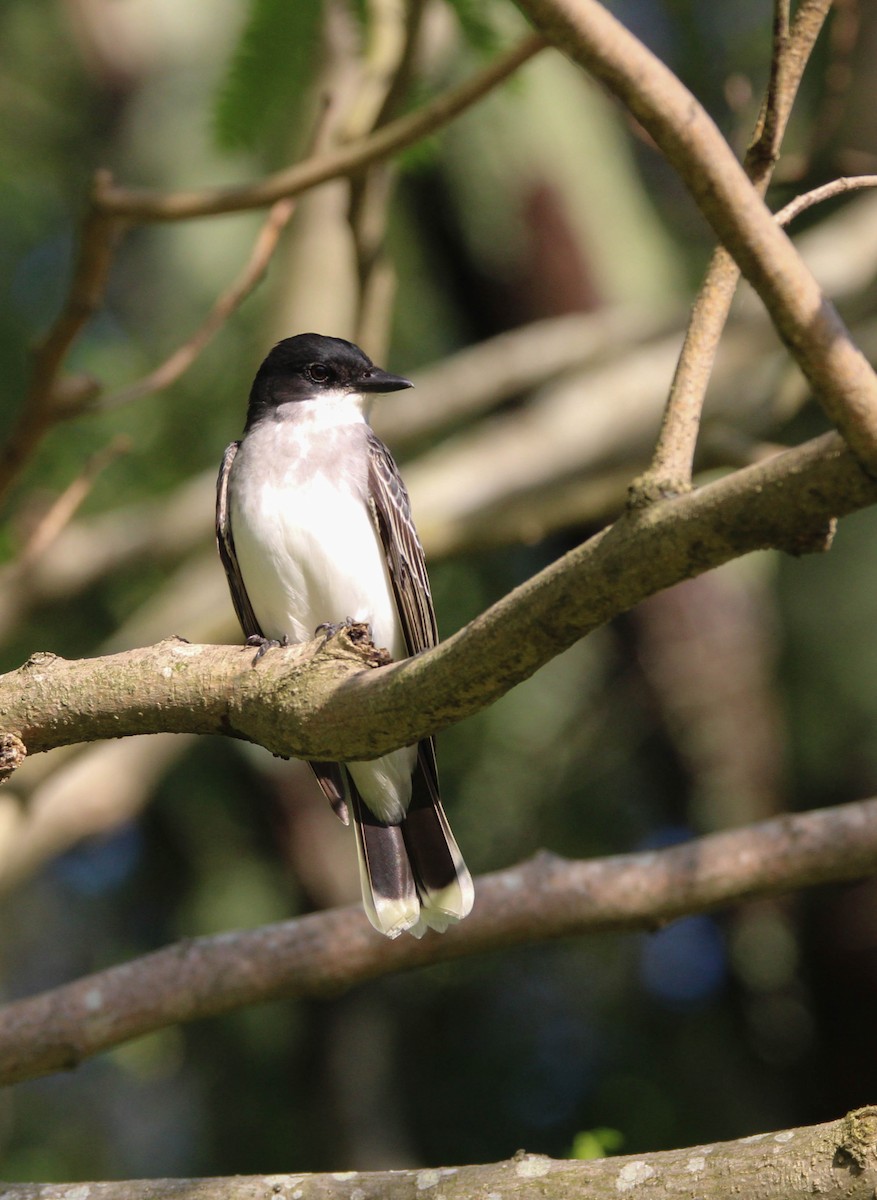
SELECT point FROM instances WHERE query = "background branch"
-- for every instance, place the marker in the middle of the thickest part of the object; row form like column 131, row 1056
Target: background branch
column 62, row 510
column 320, row 954
column 387, row 140
column 835, row 187
column 48, row 399
column 112, row 209
column 225, row 306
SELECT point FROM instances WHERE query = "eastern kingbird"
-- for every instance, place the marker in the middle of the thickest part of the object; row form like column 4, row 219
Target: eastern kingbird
column 314, row 528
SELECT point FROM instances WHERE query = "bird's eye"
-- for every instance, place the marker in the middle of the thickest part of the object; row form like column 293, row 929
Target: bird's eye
column 317, row 372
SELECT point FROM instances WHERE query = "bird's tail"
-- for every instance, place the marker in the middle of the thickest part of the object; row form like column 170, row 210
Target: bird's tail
column 413, row 875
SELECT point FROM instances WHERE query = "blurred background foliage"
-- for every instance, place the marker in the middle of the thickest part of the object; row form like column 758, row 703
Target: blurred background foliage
column 726, row 700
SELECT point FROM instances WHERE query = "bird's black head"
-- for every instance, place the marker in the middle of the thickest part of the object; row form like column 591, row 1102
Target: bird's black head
column 308, row 366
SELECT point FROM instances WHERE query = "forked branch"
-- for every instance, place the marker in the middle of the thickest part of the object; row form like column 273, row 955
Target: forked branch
column 52, row 398
column 808, row 323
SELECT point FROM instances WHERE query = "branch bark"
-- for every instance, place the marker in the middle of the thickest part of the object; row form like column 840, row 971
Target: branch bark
column 324, row 953
column 671, row 467
column 317, row 701
column 836, row 1161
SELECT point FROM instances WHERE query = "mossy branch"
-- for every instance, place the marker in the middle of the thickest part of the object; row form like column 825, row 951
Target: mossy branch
column 336, row 701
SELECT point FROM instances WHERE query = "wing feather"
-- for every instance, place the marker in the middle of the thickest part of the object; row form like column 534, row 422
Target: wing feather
column 225, row 543
column 391, row 512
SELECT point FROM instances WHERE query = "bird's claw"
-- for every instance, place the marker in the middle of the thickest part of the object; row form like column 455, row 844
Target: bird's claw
column 266, row 644
column 328, row 629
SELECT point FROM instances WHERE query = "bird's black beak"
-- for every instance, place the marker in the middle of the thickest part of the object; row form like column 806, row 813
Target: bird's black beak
column 376, row 380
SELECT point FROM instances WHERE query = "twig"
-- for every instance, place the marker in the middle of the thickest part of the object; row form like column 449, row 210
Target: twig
column 226, row 305
column 836, row 187
column 63, row 509
column 146, row 205
column 673, row 460
column 764, row 148
column 49, row 399
column 323, row 953
column 671, row 467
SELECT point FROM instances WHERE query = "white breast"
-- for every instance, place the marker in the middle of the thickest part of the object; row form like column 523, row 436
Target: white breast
column 307, row 549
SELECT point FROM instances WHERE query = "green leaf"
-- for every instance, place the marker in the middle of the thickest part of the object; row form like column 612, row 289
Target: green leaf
column 477, row 29
column 358, row 8
column 269, row 72
column 596, row 1143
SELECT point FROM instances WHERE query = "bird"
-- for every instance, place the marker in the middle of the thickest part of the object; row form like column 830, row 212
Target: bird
column 314, row 530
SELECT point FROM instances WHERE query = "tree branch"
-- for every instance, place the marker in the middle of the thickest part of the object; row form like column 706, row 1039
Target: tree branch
column 836, row 1161
column 318, row 702
column 146, row 205
column 48, row 398
column 544, row 898
column 806, row 320
column 827, row 191
column 225, row 306
column 671, row 467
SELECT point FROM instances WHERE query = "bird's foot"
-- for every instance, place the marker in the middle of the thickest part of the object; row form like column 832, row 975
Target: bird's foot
column 328, row 629
column 266, row 644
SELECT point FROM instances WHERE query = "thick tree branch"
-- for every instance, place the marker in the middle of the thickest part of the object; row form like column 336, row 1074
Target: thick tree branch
column 315, row 702
column 836, row 1161
column 547, row 897
column 837, row 371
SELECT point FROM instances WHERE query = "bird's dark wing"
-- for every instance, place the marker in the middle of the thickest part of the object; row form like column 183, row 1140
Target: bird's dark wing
column 391, row 513
column 225, row 542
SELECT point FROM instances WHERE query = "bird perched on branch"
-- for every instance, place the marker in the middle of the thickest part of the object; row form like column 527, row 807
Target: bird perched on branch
column 314, row 530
